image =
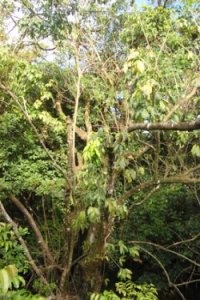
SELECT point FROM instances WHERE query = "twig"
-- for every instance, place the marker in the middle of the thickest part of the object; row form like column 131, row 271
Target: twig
column 146, row 197
column 185, row 241
column 166, row 250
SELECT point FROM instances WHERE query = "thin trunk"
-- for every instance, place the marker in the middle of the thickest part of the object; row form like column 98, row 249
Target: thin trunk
column 67, row 268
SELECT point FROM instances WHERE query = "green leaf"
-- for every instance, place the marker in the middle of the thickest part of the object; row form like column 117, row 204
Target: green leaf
column 124, row 274
column 133, row 54
column 147, row 90
column 122, row 248
column 80, row 222
column 134, row 251
column 4, row 281
column 196, row 150
column 130, row 175
column 141, row 171
column 12, row 271
column 93, row 214
column 139, row 66
column 112, row 206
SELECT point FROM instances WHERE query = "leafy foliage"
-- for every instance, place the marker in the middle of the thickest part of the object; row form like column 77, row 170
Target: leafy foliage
column 8, row 277
column 11, row 251
column 128, row 290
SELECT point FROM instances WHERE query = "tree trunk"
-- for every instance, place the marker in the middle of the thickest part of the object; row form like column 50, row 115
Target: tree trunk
column 88, row 274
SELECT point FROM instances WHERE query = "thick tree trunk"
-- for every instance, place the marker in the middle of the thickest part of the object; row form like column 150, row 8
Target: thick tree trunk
column 88, row 274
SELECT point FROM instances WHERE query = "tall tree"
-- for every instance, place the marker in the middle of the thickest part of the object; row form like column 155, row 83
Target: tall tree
column 113, row 114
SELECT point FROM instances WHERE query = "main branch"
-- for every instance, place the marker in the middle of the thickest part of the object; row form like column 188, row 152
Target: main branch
column 182, row 126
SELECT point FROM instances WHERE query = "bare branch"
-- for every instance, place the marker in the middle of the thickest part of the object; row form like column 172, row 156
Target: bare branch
column 166, row 250
column 171, row 284
column 146, row 197
column 185, row 241
column 196, row 168
column 188, row 282
column 185, row 99
column 167, row 180
column 78, row 93
column 180, row 104
column 23, row 244
column 136, row 189
column 32, row 223
column 87, row 117
column 182, row 126
column 159, row 263
column 179, row 292
column 107, row 76
column 79, row 131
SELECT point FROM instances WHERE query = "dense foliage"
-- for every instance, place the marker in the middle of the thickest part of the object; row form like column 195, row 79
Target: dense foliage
column 99, row 149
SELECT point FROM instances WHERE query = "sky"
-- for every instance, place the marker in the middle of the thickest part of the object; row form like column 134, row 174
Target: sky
column 140, row 2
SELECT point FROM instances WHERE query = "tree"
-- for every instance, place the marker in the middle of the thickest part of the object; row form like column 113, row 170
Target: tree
column 112, row 119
